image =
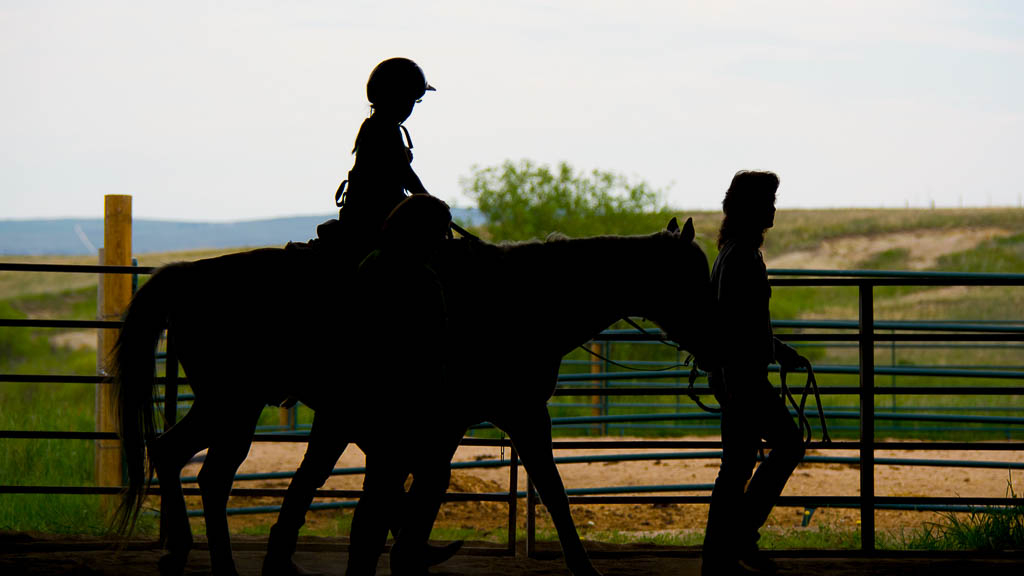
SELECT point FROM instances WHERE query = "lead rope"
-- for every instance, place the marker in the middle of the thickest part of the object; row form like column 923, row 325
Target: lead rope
column 810, row 386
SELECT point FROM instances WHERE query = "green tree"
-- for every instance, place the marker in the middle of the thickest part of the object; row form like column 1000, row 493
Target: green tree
column 523, row 200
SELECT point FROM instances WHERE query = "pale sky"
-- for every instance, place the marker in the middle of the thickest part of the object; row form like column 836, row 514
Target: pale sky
column 240, row 110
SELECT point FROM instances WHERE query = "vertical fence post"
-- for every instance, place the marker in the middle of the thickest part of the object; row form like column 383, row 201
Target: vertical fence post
column 513, row 499
column 287, row 417
column 866, row 343
column 116, row 291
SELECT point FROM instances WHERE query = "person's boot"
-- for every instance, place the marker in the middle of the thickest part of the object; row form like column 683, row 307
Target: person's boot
column 405, row 562
column 438, row 554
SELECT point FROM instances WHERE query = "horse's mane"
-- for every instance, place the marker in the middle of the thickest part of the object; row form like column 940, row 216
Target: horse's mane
column 483, row 249
column 556, row 255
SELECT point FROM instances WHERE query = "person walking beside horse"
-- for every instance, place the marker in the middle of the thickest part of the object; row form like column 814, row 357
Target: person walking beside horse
column 752, row 410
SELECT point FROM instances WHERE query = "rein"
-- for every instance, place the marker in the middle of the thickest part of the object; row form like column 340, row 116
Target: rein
column 463, row 232
column 630, row 321
column 600, row 356
column 809, row 387
column 694, row 372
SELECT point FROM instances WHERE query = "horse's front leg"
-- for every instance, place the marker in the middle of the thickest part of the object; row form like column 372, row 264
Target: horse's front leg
column 529, row 428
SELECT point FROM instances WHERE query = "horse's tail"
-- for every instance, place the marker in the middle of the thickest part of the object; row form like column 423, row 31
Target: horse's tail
column 132, row 370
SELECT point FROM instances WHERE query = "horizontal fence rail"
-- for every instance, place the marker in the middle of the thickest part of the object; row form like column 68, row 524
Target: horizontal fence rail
column 863, row 333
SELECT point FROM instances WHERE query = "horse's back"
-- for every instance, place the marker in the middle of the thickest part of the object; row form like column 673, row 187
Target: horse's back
column 264, row 278
column 250, row 314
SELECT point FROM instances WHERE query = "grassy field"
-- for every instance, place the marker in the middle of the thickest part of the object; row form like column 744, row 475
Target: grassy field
column 70, row 406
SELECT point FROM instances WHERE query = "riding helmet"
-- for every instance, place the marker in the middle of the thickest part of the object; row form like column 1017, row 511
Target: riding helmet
column 396, row 79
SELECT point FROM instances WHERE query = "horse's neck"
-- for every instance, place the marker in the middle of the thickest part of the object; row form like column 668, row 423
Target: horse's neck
column 567, row 291
column 592, row 279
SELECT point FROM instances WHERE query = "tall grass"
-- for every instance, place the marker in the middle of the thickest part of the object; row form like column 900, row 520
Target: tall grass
column 45, row 407
column 991, row 528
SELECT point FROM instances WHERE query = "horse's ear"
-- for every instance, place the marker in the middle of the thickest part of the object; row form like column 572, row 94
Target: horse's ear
column 688, row 231
column 673, row 226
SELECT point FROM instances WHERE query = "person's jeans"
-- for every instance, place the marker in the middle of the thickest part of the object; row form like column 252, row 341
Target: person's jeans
column 752, row 410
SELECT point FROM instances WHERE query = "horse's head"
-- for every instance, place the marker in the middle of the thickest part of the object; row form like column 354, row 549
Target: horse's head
column 686, row 292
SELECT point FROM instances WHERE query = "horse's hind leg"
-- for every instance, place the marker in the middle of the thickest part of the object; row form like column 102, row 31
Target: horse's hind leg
column 530, row 432
column 322, row 452
column 226, row 453
column 170, row 452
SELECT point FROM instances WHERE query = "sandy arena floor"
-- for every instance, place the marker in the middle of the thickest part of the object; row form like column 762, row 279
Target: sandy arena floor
column 809, row 479
column 44, row 556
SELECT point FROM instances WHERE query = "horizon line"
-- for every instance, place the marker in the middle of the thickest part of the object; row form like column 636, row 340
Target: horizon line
column 330, row 215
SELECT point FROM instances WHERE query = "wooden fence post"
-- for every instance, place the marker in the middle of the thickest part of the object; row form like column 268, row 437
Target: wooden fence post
column 286, row 417
column 115, row 291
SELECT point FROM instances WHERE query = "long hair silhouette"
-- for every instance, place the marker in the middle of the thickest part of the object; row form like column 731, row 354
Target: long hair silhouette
column 750, row 194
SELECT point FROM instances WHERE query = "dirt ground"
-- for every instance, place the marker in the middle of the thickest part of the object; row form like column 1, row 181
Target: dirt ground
column 50, row 556
column 924, row 248
column 22, row 556
column 646, row 519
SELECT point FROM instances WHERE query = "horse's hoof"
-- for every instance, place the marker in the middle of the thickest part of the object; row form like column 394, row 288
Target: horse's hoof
column 274, row 565
column 172, row 564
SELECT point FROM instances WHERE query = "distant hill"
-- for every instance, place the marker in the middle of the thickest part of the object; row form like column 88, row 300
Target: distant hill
column 84, row 236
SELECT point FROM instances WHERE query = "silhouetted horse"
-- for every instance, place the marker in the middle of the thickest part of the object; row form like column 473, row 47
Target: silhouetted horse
column 254, row 328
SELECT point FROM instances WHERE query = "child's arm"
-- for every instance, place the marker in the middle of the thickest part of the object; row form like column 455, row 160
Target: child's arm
column 412, row 181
